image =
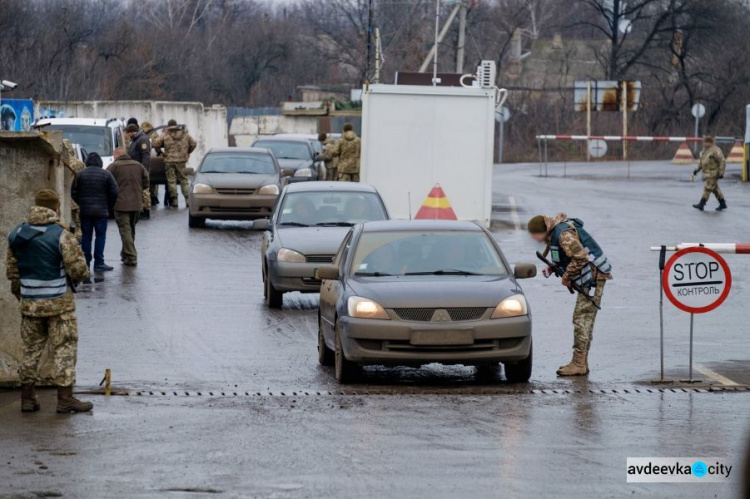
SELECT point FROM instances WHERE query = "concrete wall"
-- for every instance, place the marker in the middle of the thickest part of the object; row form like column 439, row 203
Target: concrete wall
column 207, row 125
column 245, row 129
column 29, row 162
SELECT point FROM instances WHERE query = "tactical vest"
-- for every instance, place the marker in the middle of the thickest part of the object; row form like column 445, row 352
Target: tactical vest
column 595, row 254
column 40, row 261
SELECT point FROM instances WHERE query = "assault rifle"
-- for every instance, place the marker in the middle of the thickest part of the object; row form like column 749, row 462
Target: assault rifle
column 573, row 288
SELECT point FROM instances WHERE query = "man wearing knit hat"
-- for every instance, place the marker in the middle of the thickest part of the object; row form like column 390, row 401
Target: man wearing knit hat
column 43, row 257
column 583, row 262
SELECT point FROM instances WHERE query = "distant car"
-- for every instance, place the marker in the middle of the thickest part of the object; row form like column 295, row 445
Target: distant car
column 310, row 137
column 422, row 291
column 296, row 156
column 306, row 230
column 234, row 183
column 99, row 135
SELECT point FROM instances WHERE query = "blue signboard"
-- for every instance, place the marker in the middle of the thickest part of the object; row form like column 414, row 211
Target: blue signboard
column 16, row 114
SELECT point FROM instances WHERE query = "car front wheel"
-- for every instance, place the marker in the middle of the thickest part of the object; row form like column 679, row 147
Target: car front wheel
column 196, row 222
column 520, row 372
column 274, row 298
column 346, row 371
column 326, row 356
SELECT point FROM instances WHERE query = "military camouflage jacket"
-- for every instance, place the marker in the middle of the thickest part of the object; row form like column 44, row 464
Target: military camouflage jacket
column 327, row 155
column 73, row 260
column 571, row 245
column 347, row 149
column 712, row 163
column 76, row 165
column 177, row 145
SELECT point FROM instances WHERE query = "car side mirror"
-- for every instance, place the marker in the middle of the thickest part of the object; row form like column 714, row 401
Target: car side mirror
column 329, row 272
column 287, row 172
column 261, row 224
column 524, row 271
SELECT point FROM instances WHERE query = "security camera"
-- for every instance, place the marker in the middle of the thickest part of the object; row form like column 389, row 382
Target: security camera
column 8, row 85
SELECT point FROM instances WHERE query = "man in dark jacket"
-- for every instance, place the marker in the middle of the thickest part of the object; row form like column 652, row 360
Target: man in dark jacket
column 95, row 190
column 132, row 179
column 140, row 151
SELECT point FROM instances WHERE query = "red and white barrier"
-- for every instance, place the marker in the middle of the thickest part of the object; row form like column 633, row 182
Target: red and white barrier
column 727, row 248
column 631, row 138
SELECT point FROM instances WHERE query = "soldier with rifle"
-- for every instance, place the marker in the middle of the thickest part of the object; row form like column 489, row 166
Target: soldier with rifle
column 579, row 260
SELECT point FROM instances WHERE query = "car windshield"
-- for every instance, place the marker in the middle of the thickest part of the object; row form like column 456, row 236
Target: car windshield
column 96, row 139
column 330, row 208
column 426, row 253
column 286, row 150
column 232, row 162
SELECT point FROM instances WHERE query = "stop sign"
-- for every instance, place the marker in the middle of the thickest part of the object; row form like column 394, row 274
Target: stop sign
column 697, row 280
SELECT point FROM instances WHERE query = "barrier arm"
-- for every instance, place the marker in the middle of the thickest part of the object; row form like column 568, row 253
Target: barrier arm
column 725, row 248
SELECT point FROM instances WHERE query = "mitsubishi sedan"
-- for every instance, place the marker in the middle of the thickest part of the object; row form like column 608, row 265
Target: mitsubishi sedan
column 423, row 291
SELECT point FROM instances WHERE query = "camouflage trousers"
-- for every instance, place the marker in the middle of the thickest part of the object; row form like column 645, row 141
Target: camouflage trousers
column 584, row 317
column 146, row 199
column 75, row 215
column 349, row 177
column 332, row 173
column 61, row 332
column 175, row 173
column 712, row 187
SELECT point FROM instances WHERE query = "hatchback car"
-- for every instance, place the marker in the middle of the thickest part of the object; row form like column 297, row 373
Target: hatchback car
column 309, row 222
column 423, row 291
column 296, row 156
column 234, row 183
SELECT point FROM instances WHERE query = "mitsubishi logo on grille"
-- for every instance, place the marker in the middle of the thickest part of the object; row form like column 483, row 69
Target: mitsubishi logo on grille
column 441, row 315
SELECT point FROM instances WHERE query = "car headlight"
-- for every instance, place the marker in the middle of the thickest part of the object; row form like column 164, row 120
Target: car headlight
column 202, row 189
column 291, row 256
column 272, row 190
column 303, row 172
column 513, row 306
column 364, row 308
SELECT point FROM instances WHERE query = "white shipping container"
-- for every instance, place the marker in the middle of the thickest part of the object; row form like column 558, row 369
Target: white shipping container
column 414, row 137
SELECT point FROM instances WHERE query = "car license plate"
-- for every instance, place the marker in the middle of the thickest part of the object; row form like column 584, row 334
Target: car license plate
column 439, row 337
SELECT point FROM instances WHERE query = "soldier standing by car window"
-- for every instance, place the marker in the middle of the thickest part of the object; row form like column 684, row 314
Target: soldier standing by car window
column 43, row 259
column 347, row 150
column 177, row 145
column 140, row 151
column 713, row 164
column 583, row 262
column 327, row 156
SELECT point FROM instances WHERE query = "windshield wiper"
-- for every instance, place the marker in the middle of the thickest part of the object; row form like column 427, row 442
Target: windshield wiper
column 287, row 157
column 444, row 272
column 335, row 224
column 294, row 224
column 373, row 274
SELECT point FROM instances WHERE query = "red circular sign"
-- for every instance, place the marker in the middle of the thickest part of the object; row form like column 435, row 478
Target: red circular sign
column 697, row 280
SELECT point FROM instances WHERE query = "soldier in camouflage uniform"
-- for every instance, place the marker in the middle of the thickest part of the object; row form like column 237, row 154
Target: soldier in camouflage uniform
column 177, row 145
column 148, row 129
column 583, row 262
column 75, row 165
column 43, row 257
column 140, row 150
column 713, row 165
column 331, row 161
column 347, row 150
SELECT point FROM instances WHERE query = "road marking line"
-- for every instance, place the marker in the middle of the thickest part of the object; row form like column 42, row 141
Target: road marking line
column 715, row 376
column 514, row 213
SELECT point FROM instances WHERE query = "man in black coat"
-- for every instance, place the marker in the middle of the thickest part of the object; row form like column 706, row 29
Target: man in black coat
column 95, row 190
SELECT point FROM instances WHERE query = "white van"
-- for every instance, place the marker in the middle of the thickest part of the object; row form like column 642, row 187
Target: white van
column 99, row 135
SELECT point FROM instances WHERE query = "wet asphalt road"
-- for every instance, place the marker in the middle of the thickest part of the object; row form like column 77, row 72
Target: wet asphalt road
column 226, row 397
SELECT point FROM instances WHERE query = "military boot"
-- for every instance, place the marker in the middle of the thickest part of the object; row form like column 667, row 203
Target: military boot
column 145, row 215
column 722, row 205
column 66, row 402
column 700, row 205
column 577, row 367
column 28, row 398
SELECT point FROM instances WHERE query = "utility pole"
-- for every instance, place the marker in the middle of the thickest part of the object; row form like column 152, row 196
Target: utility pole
column 461, row 38
column 437, row 41
column 378, row 56
column 369, row 42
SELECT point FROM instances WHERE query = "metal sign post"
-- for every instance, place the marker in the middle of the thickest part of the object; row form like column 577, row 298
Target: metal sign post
column 502, row 114
column 662, row 258
column 696, row 280
column 699, row 111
